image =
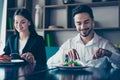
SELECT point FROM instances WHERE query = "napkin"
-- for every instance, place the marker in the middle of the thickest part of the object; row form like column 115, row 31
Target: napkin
column 98, row 63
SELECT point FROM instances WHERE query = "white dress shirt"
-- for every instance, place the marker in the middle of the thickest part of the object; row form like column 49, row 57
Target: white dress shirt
column 86, row 52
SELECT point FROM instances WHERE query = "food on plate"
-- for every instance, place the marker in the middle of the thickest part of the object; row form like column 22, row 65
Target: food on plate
column 5, row 58
column 72, row 63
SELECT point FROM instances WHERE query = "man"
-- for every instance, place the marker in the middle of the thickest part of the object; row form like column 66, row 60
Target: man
column 87, row 46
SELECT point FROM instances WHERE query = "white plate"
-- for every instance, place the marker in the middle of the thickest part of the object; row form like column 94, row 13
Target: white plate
column 13, row 62
column 71, row 68
column 17, row 60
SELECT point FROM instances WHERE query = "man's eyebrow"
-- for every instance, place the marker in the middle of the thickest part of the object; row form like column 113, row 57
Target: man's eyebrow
column 87, row 20
column 84, row 21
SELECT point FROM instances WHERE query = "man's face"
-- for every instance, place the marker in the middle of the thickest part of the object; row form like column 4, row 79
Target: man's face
column 83, row 23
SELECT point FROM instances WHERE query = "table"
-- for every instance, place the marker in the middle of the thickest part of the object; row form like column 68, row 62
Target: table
column 88, row 74
column 35, row 72
column 14, row 72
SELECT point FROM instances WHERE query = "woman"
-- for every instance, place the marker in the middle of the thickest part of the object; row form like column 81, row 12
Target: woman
column 26, row 42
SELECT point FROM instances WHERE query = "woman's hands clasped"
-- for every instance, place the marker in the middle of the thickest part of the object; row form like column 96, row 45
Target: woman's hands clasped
column 28, row 57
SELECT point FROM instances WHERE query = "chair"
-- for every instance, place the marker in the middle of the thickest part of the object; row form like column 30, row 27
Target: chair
column 50, row 51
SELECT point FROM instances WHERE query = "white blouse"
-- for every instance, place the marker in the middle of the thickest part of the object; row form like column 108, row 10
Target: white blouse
column 22, row 44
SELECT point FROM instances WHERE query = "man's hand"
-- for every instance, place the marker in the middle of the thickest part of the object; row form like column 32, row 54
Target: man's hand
column 101, row 53
column 72, row 54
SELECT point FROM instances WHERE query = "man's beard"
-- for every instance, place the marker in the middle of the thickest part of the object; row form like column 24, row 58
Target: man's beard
column 85, row 34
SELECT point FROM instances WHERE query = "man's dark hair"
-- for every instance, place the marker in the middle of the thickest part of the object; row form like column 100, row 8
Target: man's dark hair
column 82, row 9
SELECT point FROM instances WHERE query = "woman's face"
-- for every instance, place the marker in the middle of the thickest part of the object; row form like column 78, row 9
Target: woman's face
column 21, row 24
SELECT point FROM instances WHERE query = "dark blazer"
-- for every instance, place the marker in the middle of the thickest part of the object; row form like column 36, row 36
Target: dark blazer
column 35, row 45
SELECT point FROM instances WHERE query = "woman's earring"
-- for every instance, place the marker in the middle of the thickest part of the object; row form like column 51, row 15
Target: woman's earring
column 94, row 24
column 29, row 23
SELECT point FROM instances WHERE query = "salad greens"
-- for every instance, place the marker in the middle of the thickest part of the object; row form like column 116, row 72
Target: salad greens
column 72, row 63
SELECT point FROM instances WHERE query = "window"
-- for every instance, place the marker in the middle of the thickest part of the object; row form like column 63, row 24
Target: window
column 3, row 14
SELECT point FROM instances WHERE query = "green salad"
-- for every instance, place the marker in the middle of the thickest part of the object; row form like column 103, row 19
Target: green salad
column 72, row 63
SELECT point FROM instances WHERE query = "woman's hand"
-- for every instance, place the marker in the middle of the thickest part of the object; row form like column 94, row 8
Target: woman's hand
column 5, row 58
column 28, row 57
column 101, row 53
column 72, row 54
